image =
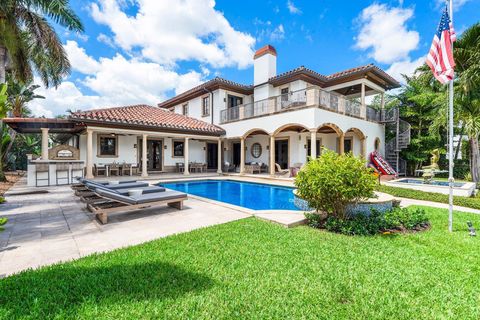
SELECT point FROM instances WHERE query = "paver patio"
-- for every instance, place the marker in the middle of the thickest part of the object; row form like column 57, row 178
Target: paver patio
column 51, row 227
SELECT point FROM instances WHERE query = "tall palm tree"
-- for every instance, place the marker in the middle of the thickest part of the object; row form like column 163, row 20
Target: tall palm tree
column 28, row 41
column 467, row 91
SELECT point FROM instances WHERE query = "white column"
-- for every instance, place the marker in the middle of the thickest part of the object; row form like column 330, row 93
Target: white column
column 219, row 155
column 242, row 155
column 44, row 143
column 185, row 157
column 144, row 156
column 364, row 147
column 363, row 110
column 382, row 103
column 272, row 155
column 89, row 165
column 313, row 144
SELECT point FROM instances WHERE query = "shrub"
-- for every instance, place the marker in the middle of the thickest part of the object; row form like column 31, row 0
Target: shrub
column 3, row 221
column 332, row 181
column 403, row 218
column 2, row 199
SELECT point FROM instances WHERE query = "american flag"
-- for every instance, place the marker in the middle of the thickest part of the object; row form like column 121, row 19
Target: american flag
column 440, row 57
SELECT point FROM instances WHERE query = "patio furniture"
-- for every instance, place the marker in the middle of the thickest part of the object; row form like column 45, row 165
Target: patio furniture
column 99, row 170
column 93, row 197
column 180, row 166
column 263, row 168
column 114, row 168
column 280, row 171
column 228, row 167
column 136, row 168
column 89, row 187
column 42, row 168
column 77, row 167
column 126, row 168
column 62, row 168
column 252, row 168
column 120, row 203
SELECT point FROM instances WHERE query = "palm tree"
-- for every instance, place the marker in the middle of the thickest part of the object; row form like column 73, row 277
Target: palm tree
column 19, row 95
column 29, row 43
column 4, row 136
column 467, row 91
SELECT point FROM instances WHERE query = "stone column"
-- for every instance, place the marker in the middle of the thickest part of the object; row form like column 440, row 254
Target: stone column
column 144, row 156
column 185, row 157
column 44, row 143
column 341, row 142
column 313, row 143
column 363, row 148
column 219, row 155
column 382, row 99
column 89, row 165
column 272, row 155
column 242, row 155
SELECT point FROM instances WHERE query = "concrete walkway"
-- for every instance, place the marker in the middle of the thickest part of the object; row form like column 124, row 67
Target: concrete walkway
column 46, row 228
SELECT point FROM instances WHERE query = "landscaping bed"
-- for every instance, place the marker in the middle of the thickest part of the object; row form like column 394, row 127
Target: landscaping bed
column 12, row 178
column 252, row 269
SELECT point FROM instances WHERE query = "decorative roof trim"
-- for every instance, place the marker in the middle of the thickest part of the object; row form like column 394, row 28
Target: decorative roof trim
column 268, row 49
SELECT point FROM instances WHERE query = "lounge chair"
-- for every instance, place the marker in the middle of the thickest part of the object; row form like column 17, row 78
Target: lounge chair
column 82, row 182
column 280, row 171
column 92, row 196
column 120, row 203
column 87, row 190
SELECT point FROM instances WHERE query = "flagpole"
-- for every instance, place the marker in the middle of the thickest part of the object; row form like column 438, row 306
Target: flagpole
column 450, row 143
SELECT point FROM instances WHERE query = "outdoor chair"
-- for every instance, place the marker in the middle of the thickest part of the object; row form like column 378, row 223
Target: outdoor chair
column 114, row 168
column 126, row 168
column 91, row 197
column 120, row 203
column 280, row 171
column 180, row 167
column 228, row 167
column 99, row 170
column 62, row 168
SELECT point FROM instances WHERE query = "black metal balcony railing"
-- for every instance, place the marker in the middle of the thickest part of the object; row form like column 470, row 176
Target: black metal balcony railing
column 307, row 97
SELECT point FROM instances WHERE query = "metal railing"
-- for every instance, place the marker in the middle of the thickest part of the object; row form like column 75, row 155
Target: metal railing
column 296, row 99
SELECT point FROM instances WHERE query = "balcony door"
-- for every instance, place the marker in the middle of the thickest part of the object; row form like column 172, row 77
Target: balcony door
column 281, row 153
column 232, row 102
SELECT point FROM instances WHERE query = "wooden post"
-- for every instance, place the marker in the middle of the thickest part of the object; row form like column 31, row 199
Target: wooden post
column 342, row 143
column 313, row 143
column 363, row 110
column 44, row 143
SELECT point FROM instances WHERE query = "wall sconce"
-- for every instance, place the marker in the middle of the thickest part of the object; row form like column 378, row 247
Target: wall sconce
column 224, row 148
column 299, row 137
column 135, row 146
column 165, row 147
column 268, row 147
column 204, row 148
column 305, row 146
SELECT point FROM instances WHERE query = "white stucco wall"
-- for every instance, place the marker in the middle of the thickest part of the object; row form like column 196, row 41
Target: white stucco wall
column 126, row 151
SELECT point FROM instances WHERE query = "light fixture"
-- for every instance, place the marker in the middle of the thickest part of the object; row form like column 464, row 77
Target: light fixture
column 165, row 147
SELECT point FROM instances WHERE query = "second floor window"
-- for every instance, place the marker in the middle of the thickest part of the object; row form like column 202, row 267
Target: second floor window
column 206, row 106
column 185, row 109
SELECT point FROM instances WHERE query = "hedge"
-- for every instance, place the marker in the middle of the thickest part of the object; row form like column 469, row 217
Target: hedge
column 473, row 203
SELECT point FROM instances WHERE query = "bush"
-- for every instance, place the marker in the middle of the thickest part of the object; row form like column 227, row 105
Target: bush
column 2, row 199
column 3, row 221
column 332, row 181
column 399, row 219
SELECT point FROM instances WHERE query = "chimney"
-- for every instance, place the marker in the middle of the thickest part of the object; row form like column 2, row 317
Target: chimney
column 265, row 64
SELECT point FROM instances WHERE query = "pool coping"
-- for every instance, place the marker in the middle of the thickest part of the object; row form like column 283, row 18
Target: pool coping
column 465, row 191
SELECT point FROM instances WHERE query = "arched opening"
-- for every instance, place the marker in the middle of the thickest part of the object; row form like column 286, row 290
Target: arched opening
column 287, row 147
column 355, row 142
column 255, row 157
column 328, row 136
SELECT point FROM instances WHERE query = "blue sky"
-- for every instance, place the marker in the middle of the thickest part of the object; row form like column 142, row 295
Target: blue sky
column 146, row 51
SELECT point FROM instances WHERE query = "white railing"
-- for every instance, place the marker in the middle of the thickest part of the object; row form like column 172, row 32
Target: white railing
column 307, row 97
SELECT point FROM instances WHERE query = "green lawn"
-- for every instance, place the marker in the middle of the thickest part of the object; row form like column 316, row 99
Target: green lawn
column 253, row 269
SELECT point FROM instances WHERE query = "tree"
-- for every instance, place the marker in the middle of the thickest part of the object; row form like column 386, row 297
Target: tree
column 4, row 136
column 29, row 43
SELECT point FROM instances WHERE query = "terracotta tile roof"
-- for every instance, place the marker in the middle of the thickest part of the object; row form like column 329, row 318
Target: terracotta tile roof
column 147, row 116
column 349, row 71
column 212, row 84
column 365, row 68
column 301, row 69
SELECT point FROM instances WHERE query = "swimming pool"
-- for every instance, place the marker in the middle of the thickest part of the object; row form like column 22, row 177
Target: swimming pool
column 255, row 196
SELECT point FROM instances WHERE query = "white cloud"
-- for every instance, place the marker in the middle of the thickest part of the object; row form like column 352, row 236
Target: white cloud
column 166, row 33
column 407, row 67
column 277, row 34
column 113, row 82
column 292, row 8
column 103, row 38
column 384, row 33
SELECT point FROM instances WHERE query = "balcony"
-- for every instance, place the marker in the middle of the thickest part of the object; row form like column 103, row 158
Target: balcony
column 310, row 97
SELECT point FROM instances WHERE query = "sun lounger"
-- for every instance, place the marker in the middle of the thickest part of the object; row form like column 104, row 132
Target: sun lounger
column 82, row 182
column 120, row 203
column 90, row 187
column 92, row 196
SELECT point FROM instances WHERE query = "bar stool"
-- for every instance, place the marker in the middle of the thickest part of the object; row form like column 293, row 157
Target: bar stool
column 77, row 167
column 63, row 167
column 42, row 168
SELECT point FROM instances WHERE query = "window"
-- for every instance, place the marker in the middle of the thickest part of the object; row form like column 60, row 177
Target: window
column 178, row 148
column 256, row 150
column 185, row 109
column 284, row 93
column 206, row 106
column 234, row 101
column 107, row 146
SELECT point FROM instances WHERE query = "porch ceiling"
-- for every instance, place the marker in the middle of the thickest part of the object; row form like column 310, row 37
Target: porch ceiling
column 35, row 125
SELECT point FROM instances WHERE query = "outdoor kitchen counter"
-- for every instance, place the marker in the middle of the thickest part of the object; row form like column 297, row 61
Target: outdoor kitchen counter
column 32, row 175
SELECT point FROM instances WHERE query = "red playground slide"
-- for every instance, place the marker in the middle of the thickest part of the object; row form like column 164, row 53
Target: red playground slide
column 381, row 164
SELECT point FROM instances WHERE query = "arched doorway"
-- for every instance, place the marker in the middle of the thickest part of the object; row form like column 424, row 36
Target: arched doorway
column 355, row 141
column 252, row 151
column 330, row 136
column 287, row 146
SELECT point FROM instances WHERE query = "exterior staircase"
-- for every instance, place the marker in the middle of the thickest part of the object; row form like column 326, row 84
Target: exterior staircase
column 402, row 129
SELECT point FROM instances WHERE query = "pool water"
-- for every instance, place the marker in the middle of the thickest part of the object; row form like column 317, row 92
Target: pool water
column 255, row 196
column 434, row 182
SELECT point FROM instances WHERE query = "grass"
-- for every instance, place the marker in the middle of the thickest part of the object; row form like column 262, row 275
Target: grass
column 251, row 269
column 467, row 202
